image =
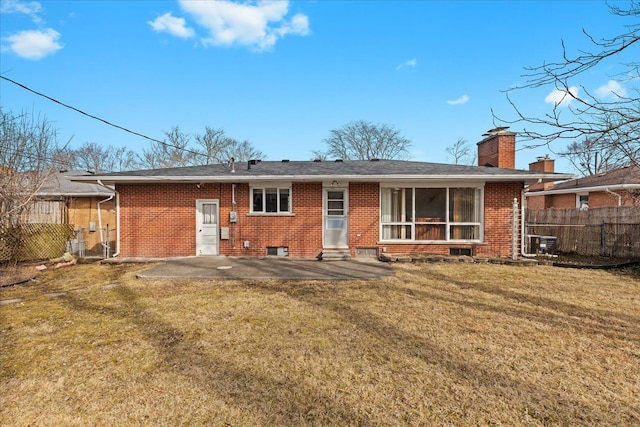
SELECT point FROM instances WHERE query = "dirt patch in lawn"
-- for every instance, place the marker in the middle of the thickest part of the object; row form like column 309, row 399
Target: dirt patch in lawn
column 436, row 344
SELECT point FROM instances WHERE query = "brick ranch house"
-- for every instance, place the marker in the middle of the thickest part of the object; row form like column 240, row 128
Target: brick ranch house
column 315, row 208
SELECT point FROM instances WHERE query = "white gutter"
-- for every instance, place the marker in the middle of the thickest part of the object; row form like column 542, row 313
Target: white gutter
column 117, row 195
column 584, row 189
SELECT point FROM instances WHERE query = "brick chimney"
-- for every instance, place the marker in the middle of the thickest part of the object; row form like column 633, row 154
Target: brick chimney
column 542, row 164
column 498, row 149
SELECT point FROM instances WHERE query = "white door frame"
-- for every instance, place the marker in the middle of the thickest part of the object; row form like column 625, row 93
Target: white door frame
column 344, row 242
column 201, row 229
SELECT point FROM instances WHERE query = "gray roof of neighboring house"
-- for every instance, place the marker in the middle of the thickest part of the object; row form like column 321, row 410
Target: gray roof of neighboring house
column 353, row 170
column 628, row 177
column 59, row 185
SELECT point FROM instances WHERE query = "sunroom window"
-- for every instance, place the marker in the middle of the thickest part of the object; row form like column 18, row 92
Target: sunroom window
column 440, row 214
column 270, row 200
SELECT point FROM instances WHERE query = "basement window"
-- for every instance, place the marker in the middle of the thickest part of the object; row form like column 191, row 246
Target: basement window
column 277, row 251
column 460, row 251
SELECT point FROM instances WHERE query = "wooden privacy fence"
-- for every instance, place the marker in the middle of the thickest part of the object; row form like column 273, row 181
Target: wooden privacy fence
column 606, row 231
column 29, row 242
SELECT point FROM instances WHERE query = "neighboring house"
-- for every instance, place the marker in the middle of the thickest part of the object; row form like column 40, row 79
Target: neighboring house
column 88, row 207
column 618, row 187
column 314, row 208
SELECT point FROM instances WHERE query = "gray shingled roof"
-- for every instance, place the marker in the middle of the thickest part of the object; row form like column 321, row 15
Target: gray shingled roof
column 307, row 170
column 621, row 176
column 59, row 184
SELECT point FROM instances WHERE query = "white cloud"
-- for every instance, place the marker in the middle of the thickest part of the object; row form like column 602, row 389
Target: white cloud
column 15, row 6
column 462, row 100
column 170, row 24
column 257, row 24
column 409, row 63
column 559, row 97
column 612, row 89
column 35, row 44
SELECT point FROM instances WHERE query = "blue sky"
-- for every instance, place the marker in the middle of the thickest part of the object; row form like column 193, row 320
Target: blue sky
column 283, row 74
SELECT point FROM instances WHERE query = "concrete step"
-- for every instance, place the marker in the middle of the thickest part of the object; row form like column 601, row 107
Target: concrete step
column 335, row 255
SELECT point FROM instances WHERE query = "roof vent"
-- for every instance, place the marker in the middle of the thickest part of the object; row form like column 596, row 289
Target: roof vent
column 285, row 160
column 317, row 160
column 338, row 160
column 374, row 160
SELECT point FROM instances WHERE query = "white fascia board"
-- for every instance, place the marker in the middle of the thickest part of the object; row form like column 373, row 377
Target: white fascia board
column 131, row 179
column 582, row 190
column 105, row 194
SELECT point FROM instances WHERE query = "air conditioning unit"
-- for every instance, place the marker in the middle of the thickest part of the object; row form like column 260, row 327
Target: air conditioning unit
column 542, row 244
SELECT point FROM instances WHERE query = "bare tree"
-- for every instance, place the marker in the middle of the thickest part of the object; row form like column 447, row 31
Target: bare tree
column 362, row 140
column 241, row 151
column 120, row 159
column 461, row 152
column 212, row 145
column 609, row 120
column 27, row 145
column 215, row 146
column 94, row 157
column 174, row 151
column 591, row 157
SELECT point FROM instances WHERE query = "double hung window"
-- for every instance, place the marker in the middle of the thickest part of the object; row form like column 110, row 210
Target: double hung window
column 440, row 214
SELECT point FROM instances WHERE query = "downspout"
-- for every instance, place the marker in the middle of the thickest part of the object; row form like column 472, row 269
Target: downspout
column 117, row 195
column 523, row 204
column 615, row 194
column 100, row 220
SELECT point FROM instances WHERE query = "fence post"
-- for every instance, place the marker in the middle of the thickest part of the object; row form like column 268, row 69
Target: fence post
column 106, row 245
column 603, row 239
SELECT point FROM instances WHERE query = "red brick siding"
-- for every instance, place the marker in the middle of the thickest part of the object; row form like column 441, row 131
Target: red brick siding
column 364, row 215
column 601, row 198
column 301, row 233
column 537, row 202
column 498, row 217
column 597, row 199
column 563, row 201
column 159, row 220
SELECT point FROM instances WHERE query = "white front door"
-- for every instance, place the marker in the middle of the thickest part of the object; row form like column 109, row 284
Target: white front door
column 336, row 218
column 206, row 227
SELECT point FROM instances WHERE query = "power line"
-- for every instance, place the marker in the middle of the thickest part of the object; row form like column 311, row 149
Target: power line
column 98, row 118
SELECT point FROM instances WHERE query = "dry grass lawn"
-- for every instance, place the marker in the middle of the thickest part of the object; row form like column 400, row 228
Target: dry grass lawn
column 438, row 344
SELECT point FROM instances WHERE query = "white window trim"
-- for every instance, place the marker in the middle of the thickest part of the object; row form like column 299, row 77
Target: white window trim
column 578, row 204
column 447, row 223
column 263, row 186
